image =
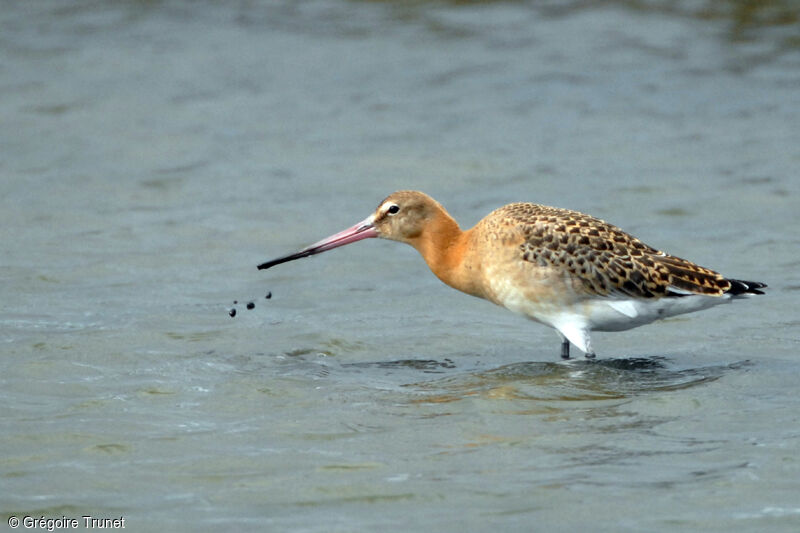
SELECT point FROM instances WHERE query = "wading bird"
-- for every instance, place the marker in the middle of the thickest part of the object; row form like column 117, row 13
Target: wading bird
column 565, row 269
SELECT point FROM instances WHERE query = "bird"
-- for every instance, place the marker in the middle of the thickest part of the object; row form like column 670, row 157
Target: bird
column 559, row 267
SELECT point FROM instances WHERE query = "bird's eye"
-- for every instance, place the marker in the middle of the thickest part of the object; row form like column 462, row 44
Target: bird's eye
column 393, row 209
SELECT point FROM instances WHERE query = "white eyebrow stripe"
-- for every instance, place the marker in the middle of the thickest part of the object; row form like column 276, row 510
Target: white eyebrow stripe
column 385, row 207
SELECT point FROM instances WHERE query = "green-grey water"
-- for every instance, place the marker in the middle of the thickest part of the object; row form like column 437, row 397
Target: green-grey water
column 153, row 153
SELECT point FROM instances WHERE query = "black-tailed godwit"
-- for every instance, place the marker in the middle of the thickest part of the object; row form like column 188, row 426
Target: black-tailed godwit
column 565, row 269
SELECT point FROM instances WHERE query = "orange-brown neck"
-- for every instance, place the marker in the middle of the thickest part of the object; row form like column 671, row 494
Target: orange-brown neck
column 446, row 250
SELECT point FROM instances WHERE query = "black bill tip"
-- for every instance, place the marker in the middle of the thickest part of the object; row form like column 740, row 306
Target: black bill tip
column 285, row 259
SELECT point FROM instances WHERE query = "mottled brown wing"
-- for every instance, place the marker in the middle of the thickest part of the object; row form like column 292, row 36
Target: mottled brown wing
column 603, row 257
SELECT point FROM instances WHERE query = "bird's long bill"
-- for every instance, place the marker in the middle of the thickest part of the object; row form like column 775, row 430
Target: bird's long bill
column 363, row 230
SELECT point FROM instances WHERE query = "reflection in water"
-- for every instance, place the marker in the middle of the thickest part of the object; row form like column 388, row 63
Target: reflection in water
column 430, row 366
column 573, row 381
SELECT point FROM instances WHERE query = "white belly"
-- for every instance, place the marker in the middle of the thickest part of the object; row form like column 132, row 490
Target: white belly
column 619, row 314
column 604, row 313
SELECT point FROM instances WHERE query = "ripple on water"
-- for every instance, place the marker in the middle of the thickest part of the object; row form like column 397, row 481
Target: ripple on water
column 569, row 381
column 605, row 379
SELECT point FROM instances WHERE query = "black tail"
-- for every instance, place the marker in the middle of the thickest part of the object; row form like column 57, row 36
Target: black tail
column 745, row 287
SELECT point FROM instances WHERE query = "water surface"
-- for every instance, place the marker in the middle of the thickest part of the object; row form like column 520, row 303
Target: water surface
column 155, row 152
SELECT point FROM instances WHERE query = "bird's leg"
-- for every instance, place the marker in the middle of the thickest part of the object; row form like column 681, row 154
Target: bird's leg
column 589, row 350
column 565, row 349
